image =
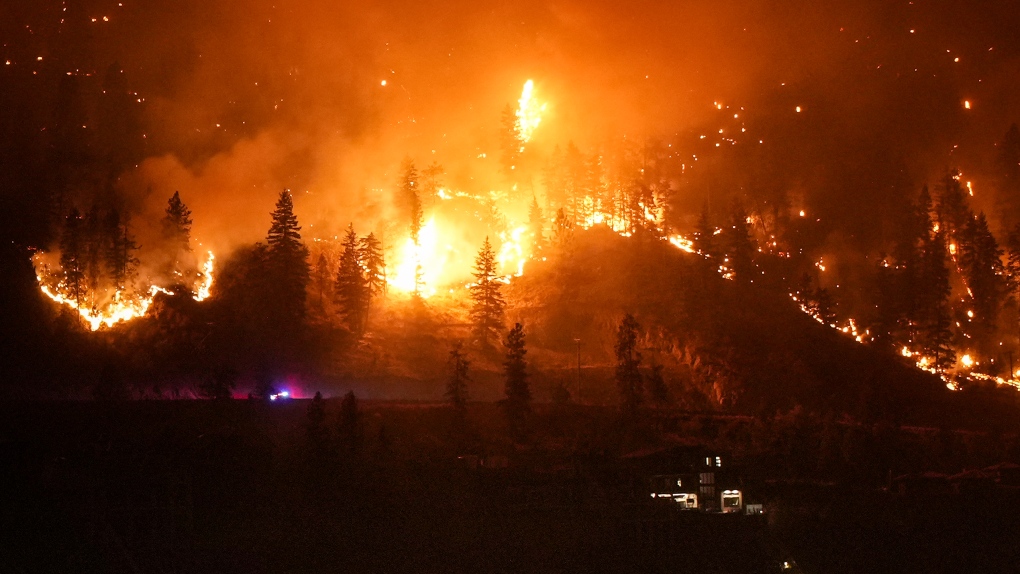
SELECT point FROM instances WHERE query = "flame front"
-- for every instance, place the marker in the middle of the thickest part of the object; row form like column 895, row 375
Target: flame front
column 122, row 306
column 205, row 287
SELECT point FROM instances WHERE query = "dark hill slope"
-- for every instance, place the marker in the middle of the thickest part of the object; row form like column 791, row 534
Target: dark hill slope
column 735, row 344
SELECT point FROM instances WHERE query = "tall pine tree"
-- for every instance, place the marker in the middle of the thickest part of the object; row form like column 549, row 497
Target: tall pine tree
column 351, row 289
column 488, row 305
column 287, row 260
column 953, row 211
column 981, row 264
column 409, row 190
column 628, row 362
column 177, row 237
column 517, row 404
column 936, row 327
column 370, row 254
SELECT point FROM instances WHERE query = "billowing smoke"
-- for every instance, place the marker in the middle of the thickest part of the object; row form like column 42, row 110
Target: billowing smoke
column 243, row 99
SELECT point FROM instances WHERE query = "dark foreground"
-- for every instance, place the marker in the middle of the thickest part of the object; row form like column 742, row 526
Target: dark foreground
column 245, row 487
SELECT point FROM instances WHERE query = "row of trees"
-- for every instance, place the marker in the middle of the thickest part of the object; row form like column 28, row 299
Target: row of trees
column 516, row 404
column 629, row 191
column 99, row 256
column 633, row 384
column 945, row 242
column 360, row 276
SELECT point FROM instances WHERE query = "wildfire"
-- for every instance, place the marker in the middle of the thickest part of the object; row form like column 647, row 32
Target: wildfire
column 418, row 266
column 116, row 311
column 511, row 253
column 204, row 289
column 529, row 112
column 682, row 243
column 123, row 306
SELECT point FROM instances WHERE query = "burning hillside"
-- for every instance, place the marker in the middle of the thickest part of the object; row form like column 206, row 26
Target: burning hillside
column 401, row 160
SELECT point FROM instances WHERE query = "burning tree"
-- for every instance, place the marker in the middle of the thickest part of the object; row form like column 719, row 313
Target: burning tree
column 536, row 226
column 510, row 143
column 431, row 178
column 488, row 304
column 412, row 200
column 563, row 229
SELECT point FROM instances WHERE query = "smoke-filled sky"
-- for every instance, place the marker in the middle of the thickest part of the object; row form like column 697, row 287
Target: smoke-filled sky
column 244, row 98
